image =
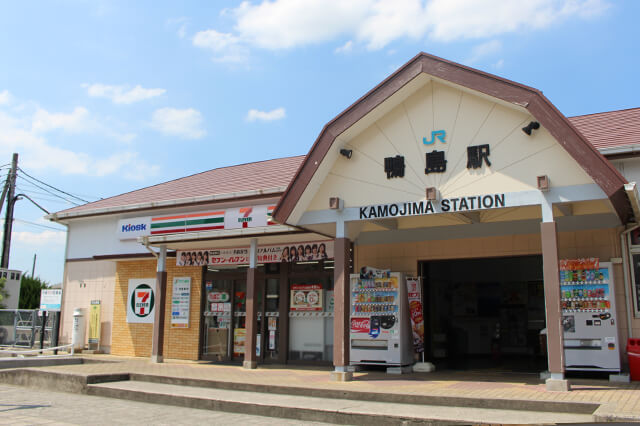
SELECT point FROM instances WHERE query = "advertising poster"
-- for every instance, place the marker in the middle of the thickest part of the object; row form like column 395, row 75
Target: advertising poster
column 285, row 253
column 414, row 292
column 141, row 300
column 180, row 302
column 306, row 297
column 94, row 322
column 239, row 335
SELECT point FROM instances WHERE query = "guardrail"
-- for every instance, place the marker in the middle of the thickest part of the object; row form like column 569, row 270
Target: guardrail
column 22, row 353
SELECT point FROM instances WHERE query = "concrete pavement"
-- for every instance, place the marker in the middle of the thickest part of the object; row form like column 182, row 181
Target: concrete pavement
column 488, row 390
column 22, row 406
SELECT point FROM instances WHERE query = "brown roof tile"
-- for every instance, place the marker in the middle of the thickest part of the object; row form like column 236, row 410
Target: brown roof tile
column 261, row 175
column 611, row 129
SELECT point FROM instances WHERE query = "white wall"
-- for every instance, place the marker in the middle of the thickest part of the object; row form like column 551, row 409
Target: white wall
column 84, row 282
column 98, row 237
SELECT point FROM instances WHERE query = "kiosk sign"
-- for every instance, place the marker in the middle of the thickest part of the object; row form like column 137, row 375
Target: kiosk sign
column 141, row 300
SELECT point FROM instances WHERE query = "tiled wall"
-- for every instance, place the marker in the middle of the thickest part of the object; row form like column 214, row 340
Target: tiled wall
column 135, row 339
column 602, row 243
column 84, row 282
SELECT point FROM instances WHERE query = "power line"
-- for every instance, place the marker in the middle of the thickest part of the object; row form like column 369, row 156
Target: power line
column 26, row 222
column 47, row 191
column 44, row 196
column 37, row 224
column 53, row 187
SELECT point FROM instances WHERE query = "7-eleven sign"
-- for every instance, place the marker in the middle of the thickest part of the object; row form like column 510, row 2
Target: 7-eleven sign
column 141, row 301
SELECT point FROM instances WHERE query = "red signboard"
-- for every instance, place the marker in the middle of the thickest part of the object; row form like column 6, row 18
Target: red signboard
column 360, row 325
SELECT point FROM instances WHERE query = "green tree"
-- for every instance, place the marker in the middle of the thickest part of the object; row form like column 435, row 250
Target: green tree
column 30, row 291
column 4, row 294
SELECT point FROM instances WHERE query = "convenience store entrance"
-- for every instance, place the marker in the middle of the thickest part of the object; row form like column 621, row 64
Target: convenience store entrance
column 485, row 313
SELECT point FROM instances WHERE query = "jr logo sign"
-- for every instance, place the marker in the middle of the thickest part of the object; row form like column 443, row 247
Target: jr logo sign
column 141, row 301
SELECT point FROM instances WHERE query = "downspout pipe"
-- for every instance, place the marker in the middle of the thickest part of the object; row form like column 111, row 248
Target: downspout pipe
column 634, row 199
column 626, row 261
column 145, row 242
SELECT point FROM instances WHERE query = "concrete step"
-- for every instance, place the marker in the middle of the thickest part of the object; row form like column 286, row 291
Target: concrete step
column 315, row 408
column 381, row 396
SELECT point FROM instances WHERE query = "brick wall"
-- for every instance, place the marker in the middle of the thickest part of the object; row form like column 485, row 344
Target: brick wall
column 135, row 339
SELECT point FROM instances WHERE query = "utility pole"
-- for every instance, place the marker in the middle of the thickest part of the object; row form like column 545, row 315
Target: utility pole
column 33, row 269
column 8, row 219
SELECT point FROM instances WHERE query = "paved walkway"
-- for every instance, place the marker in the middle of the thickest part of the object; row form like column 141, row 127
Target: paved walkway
column 620, row 398
column 23, row 406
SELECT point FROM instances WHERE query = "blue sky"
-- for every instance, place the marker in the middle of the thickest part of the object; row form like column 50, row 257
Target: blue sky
column 100, row 98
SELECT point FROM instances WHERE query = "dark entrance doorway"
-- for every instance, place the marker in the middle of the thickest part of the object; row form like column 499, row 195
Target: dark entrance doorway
column 485, row 313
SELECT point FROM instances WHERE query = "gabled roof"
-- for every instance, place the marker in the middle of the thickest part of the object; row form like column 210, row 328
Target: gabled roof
column 243, row 180
column 611, row 129
column 584, row 153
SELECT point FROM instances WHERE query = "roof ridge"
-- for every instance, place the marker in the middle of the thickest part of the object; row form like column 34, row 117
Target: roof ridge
column 604, row 112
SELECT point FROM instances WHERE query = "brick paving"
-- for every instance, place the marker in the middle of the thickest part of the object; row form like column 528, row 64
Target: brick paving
column 623, row 399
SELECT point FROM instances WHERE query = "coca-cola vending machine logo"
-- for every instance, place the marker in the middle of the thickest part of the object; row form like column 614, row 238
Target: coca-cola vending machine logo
column 360, row 325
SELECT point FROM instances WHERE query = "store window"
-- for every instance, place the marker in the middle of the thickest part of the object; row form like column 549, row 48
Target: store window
column 311, row 312
column 634, row 239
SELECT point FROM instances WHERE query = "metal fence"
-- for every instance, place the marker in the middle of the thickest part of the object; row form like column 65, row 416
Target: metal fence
column 24, row 328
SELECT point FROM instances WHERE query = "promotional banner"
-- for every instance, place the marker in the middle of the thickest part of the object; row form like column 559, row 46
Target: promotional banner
column 94, row 322
column 180, row 302
column 309, row 251
column 141, row 300
column 239, row 335
column 306, row 297
column 414, row 292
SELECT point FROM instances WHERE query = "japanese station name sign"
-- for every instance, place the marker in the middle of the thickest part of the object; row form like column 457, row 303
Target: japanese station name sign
column 424, row 207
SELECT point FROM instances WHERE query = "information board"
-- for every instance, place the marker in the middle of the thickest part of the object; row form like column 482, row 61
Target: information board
column 50, row 300
column 180, row 302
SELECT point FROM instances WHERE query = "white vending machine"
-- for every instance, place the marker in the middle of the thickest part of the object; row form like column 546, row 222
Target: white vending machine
column 589, row 316
column 380, row 330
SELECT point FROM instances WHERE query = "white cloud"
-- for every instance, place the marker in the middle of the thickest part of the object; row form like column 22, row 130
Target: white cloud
column 184, row 123
column 44, row 238
column 74, row 122
column 289, row 23
column 27, row 134
column 345, row 48
column 181, row 23
column 498, row 65
column 284, row 24
column 256, row 115
column 122, row 94
column 225, row 46
column 483, row 50
column 5, row 97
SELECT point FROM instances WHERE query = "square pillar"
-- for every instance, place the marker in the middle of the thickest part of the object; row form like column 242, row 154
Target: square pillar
column 553, row 307
column 251, row 319
column 341, row 309
column 157, row 338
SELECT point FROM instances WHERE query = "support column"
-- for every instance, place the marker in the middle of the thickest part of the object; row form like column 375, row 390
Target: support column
column 251, row 319
column 157, row 340
column 341, row 307
column 555, row 338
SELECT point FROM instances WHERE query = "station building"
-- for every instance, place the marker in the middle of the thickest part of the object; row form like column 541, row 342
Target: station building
column 474, row 183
